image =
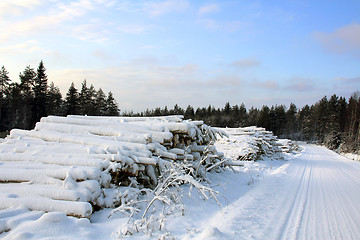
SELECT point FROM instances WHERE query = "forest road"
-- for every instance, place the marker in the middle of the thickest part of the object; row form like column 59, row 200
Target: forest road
column 315, row 195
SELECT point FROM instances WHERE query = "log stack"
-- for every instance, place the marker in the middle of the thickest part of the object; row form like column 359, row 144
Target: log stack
column 68, row 164
column 252, row 144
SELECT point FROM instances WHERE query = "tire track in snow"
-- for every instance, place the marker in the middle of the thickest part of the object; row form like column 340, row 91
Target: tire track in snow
column 298, row 207
column 316, row 198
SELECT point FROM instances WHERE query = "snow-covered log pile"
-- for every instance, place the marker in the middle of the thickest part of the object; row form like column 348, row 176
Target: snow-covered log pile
column 287, row 146
column 253, row 143
column 70, row 164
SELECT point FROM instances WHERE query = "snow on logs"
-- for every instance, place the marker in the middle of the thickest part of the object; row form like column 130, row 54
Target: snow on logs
column 67, row 163
column 253, row 143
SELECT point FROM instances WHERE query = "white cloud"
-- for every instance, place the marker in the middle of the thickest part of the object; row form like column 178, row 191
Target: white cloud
column 46, row 23
column 344, row 40
column 165, row 7
column 22, row 48
column 95, row 30
column 16, row 7
column 208, row 9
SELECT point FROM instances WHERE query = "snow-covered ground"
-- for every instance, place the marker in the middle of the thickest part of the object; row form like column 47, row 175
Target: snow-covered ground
column 311, row 195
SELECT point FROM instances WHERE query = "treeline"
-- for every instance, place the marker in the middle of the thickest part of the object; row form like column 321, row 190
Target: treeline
column 23, row 104
column 332, row 122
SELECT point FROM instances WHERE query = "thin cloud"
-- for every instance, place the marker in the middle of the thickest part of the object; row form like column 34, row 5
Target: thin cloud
column 300, row 84
column 246, row 63
column 344, row 40
column 45, row 23
column 208, row 9
column 268, row 84
column 17, row 7
column 95, row 30
column 22, row 48
column 165, row 7
column 348, row 80
column 103, row 55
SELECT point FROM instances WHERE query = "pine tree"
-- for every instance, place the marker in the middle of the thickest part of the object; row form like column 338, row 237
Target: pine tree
column 165, row 111
column 352, row 127
column 84, row 101
column 278, row 120
column 91, row 107
column 4, row 81
column 189, row 112
column 322, row 119
column 253, row 116
column 27, row 83
column 4, row 91
column 177, row 110
column 227, row 108
column 305, row 123
column 243, row 116
column 54, row 101
column 291, row 126
column 111, row 106
column 100, row 102
column 71, row 101
column 16, row 105
column 156, row 112
column 264, row 117
column 40, row 93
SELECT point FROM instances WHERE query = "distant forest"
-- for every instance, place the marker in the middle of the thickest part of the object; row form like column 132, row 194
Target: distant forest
column 23, row 104
column 333, row 122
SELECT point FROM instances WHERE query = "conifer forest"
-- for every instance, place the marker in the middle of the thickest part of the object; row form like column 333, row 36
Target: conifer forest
column 332, row 121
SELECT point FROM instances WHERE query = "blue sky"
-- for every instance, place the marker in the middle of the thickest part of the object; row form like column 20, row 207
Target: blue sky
column 159, row 53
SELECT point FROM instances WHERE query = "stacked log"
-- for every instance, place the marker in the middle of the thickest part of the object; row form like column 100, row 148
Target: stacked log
column 67, row 163
column 252, row 144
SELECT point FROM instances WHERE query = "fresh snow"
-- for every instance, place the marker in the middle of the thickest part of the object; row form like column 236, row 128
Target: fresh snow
column 310, row 195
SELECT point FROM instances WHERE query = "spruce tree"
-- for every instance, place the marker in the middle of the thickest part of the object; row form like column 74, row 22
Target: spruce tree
column 54, row 101
column 91, row 107
column 71, row 101
column 4, row 81
column 291, row 126
column 264, row 117
column 27, row 83
column 253, row 116
column 84, row 100
column 111, row 106
column 189, row 112
column 40, row 93
column 243, row 116
column 15, row 106
column 4, row 90
column 100, row 102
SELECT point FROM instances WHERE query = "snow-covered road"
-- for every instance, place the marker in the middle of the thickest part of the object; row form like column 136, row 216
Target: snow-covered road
column 314, row 196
